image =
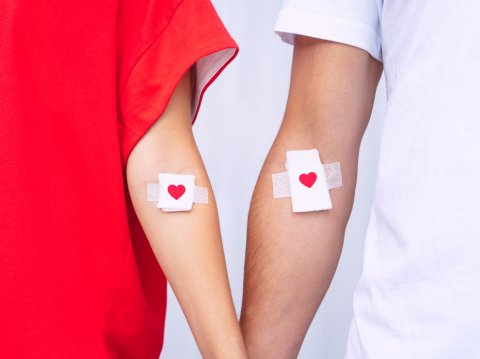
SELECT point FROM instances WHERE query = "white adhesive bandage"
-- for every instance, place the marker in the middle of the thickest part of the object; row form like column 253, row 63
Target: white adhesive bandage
column 176, row 192
column 307, row 181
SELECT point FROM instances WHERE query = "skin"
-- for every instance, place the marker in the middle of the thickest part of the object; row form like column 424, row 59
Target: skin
column 188, row 245
column 291, row 257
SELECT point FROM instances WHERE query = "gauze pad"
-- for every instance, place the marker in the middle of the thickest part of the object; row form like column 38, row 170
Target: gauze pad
column 176, row 192
column 307, row 181
column 308, row 184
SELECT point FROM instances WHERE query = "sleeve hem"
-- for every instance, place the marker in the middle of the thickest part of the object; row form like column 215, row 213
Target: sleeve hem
column 294, row 21
column 208, row 69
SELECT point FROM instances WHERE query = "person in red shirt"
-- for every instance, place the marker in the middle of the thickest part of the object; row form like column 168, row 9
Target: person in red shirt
column 96, row 99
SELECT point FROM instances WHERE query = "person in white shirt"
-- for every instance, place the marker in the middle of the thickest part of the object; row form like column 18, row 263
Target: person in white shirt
column 419, row 294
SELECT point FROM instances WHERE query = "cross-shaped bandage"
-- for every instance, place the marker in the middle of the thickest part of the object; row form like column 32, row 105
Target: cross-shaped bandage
column 307, row 181
column 176, row 193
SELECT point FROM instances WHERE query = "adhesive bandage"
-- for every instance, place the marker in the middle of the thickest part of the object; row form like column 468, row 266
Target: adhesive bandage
column 176, row 192
column 307, row 181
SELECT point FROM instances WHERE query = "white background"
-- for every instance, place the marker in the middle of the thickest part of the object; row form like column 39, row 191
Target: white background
column 240, row 116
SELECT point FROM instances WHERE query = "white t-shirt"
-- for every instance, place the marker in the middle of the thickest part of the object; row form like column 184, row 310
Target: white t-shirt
column 419, row 294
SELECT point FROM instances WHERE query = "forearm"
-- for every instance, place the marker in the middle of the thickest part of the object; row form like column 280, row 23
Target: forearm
column 292, row 257
column 187, row 244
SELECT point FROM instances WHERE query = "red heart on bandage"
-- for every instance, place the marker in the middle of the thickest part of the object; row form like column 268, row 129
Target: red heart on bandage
column 176, row 191
column 308, row 180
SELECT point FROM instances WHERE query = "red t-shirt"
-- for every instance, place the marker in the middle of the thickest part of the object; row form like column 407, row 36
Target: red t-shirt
column 80, row 83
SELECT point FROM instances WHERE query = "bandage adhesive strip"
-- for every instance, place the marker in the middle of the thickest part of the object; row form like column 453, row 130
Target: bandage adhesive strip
column 200, row 195
column 281, row 183
column 307, row 181
column 176, row 192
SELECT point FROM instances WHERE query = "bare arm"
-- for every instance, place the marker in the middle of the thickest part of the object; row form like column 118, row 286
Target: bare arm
column 187, row 245
column 291, row 257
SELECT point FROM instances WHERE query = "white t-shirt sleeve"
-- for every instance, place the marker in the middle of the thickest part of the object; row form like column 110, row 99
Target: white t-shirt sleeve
column 351, row 22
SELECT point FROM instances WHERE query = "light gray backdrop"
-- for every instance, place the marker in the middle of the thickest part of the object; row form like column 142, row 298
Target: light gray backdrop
column 240, row 116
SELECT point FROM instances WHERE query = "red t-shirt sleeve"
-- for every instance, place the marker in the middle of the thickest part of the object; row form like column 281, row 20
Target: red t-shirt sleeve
column 157, row 42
